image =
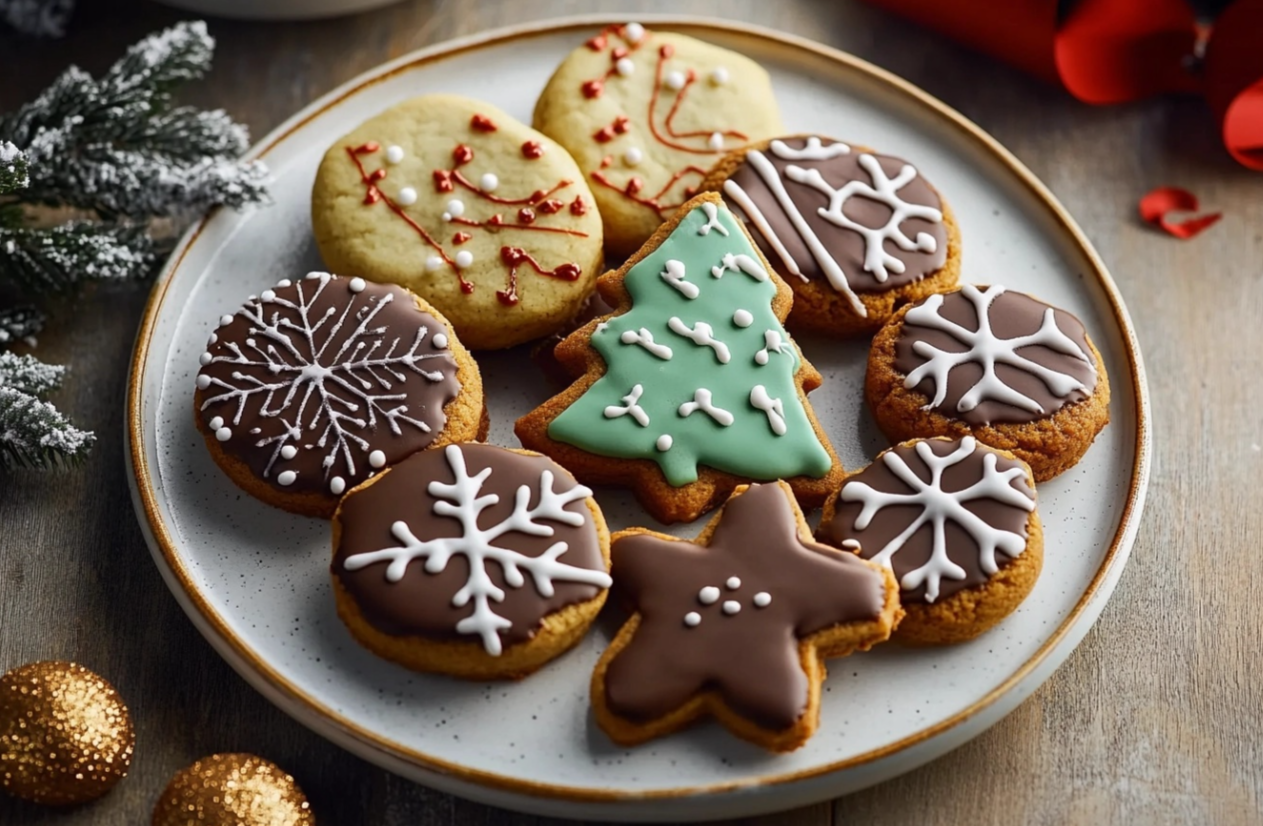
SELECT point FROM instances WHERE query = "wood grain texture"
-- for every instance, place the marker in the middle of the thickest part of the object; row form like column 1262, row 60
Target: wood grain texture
column 1154, row 719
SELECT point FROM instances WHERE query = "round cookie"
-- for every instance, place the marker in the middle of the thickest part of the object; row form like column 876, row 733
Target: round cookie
column 956, row 522
column 474, row 560
column 317, row 384
column 856, row 234
column 646, row 114
column 736, row 624
column 1027, row 379
column 485, row 218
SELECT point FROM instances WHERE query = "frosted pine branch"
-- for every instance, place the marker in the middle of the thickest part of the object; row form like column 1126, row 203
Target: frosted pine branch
column 56, row 259
column 34, row 434
column 29, row 375
column 13, row 169
column 19, row 323
column 37, row 18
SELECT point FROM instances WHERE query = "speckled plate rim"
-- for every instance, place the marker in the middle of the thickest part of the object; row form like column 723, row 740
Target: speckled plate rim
column 871, row 767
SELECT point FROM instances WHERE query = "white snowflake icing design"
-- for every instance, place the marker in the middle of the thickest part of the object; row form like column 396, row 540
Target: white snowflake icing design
column 292, row 348
column 460, row 500
column 938, row 507
column 885, row 190
column 987, row 350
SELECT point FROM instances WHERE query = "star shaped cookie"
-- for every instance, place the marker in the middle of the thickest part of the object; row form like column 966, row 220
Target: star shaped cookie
column 736, row 624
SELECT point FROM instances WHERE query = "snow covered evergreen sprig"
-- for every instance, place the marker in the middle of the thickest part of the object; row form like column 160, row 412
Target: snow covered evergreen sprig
column 118, row 153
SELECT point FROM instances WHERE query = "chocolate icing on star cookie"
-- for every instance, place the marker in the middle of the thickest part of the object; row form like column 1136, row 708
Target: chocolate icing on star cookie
column 864, row 222
column 989, row 355
column 729, row 616
column 945, row 515
column 318, row 383
column 427, row 549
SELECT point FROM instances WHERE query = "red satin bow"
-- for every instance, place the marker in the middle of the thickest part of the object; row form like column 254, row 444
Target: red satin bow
column 1110, row 51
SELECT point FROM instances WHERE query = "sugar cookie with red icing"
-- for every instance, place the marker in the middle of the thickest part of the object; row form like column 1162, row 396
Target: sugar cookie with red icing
column 482, row 216
column 646, row 114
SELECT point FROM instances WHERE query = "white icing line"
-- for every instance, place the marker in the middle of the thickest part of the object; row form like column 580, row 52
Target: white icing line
column 631, row 407
column 701, row 334
column 702, row 400
column 774, row 409
column 644, row 338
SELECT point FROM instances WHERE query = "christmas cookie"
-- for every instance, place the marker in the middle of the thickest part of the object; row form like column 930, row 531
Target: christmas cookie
column 317, row 384
column 473, row 560
column 956, row 522
column 856, row 234
column 1018, row 374
column 736, row 624
column 485, row 218
column 691, row 386
column 646, row 114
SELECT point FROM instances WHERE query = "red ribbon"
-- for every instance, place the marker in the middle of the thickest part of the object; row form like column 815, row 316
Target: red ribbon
column 1111, row 51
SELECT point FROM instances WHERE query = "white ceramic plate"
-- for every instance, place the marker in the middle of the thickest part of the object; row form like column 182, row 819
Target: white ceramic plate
column 254, row 579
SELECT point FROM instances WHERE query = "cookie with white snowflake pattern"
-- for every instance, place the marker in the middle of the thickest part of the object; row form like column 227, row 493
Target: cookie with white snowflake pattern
column 736, row 624
column 691, row 386
column 646, row 114
column 485, row 218
column 855, row 233
column 473, row 560
column 955, row 521
column 1003, row 366
column 317, row 384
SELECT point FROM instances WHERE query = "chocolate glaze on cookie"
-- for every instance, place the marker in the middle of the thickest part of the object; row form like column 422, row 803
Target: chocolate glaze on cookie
column 767, row 180
column 1040, row 354
column 424, row 493
column 728, row 616
column 980, row 499
column 317, row 384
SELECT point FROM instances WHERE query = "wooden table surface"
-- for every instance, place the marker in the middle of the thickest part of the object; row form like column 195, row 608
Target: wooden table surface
column 1156, row 718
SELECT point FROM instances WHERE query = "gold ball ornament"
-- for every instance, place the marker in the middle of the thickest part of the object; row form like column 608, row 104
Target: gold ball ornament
column 65, row 735
column 233, row 790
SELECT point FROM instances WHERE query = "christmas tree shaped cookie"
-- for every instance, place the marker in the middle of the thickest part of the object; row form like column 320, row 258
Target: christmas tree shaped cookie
column 691, row 386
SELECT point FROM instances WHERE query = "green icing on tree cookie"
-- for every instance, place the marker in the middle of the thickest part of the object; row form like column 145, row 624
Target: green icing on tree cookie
column 699, row 371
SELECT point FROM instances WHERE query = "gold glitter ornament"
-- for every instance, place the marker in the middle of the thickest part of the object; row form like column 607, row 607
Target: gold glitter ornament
column 65, row 735
column 233, row 790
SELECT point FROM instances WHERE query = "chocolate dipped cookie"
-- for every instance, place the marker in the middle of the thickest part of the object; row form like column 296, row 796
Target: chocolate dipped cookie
column 1016, row 373
column 955, row 521
column 317, row 384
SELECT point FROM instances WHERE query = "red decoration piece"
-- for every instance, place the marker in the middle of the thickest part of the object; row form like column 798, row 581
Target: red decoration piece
column 526, row 215
column 460, row 238
column 597, row 43
column 593, row 88
column 550, row 207
column 1155, row 206
column 1234, row 80
column 514, row 257
column 462, row 154
column 578, row 207
column 482, row 123
column 532, row 150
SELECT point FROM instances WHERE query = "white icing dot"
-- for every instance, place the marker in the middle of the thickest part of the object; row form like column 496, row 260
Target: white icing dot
column 664, row 442
column 733, row 583
column 377, row 459
column 633, row 156
column 440, row 341
column 633, row 32
column 336, row 485
column 762, row 599
column 716, row 140
column 289, row 452
column 211, row 341
column 223, row 434
column 851, row 544
column 314, row 274
column 394, row 154
column 407, row 196
column 284, row 282
column 433, row 263
column 268, row 295
column 287, row 478
column 216, row 423
column 624, row 66
column 731, row 607
column 719, row 75
column 357, row 285
column 674, row 80
column 692, row 619
column 708, row 595
column 455, row 208
column 464, row 258
column 252, row 297
column 225, row 320
column 742, row 318
column 488, row 182
column 203, row 382
column 205, row 359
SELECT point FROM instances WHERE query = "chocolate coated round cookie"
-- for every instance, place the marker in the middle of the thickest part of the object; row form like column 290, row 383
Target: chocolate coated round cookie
column 956, row 522
column 1016, row 373
column 474, row 560
column 856, row 234
column 317, row 384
